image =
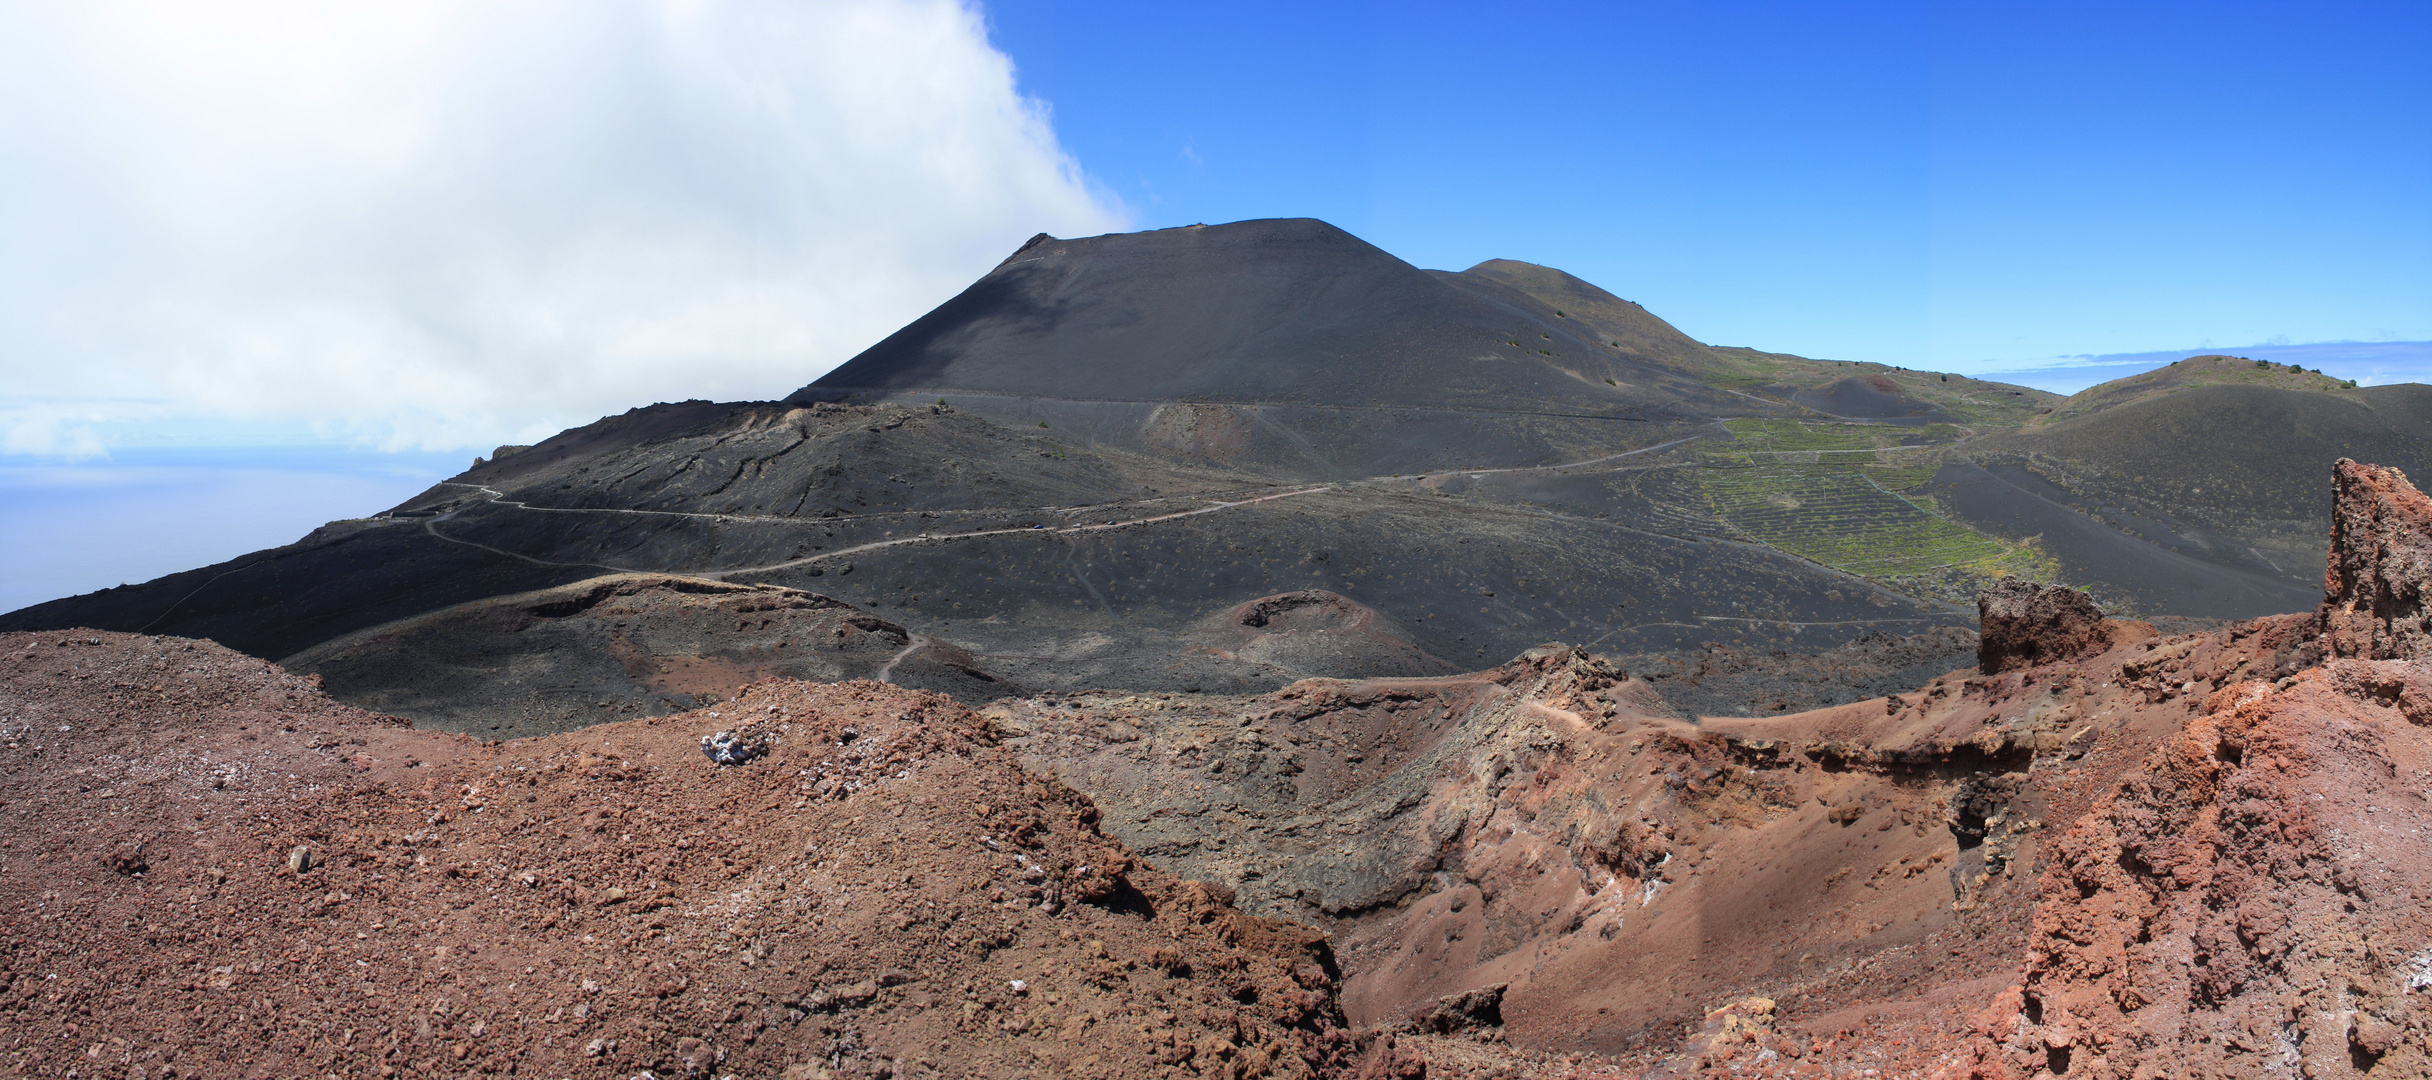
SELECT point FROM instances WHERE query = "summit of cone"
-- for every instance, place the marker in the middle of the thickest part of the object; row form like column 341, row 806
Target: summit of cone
column 1281, row 311
column 1072, row 471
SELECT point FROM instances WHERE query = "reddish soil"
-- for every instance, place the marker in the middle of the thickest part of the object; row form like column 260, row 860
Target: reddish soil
column 2122, row 855
column 483, row 908
column 860, row 902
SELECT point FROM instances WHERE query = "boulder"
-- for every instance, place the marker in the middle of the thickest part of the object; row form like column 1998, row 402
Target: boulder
column 2023, row 624
column 2374, row 589
column 1475, row 1010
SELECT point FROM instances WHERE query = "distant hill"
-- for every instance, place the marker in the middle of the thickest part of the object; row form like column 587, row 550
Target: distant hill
column 1084, row 468
column 2215, row 460
column 2191, row 373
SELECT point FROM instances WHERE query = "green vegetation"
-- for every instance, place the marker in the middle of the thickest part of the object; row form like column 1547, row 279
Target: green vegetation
column 1760, row 437
column 1831, row 493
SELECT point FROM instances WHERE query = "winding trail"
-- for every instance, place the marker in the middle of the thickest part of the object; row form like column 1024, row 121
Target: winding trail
column 494, row 497
column 431, row 526
column 1040, row 530
column 912, row 644
column 1474, row 473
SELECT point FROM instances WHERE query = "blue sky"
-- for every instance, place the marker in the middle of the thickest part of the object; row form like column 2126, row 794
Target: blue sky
column 273, row 263
column 1946, row 186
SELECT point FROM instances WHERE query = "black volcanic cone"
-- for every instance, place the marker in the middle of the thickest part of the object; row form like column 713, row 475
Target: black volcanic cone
column 1283, row 311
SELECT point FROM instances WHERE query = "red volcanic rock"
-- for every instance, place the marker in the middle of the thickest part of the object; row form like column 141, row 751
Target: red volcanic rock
column 2373, row 602
column 1470, row 1010
column 2244, row 902
column 2023, row 624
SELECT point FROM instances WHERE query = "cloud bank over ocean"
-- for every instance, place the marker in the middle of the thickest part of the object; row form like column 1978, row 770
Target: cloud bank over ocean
column 446, row 225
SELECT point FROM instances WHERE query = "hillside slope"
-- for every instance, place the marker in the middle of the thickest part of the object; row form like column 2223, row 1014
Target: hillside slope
column 1285, row 311
column 1065, row 476
column 2103, row 851
column 2217, row 474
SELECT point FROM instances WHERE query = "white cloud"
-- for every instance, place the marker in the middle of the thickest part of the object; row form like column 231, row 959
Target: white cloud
column 447, row 224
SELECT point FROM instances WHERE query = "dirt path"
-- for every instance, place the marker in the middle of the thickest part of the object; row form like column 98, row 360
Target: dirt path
column 912, row 644
column 499, row 498
column 927, row 538
column 1475, row 473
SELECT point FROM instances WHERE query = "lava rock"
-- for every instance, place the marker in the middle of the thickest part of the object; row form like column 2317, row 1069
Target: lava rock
column 731, row 748
column 125, row 858
column 1470, row 1010
column 2023, row 624
column 2378, row 585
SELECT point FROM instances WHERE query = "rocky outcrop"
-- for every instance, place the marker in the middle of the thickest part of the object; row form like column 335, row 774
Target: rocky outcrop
column 2373, row 591
column 2023, row 624
column 1478, row 1010
column 2243, row 905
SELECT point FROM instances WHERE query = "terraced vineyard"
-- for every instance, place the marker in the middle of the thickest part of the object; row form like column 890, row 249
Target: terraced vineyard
column 1830, row 493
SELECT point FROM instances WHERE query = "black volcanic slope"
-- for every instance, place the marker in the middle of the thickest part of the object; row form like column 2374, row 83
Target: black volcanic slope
column 1287, row 347
column 2223, row 476
column 1051, row 562
column 1223, row 458
column 1625, row 327
column 1288, row 311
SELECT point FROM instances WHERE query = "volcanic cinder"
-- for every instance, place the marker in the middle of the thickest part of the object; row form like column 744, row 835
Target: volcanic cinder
column 2189, row 853
column 1231, row 651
